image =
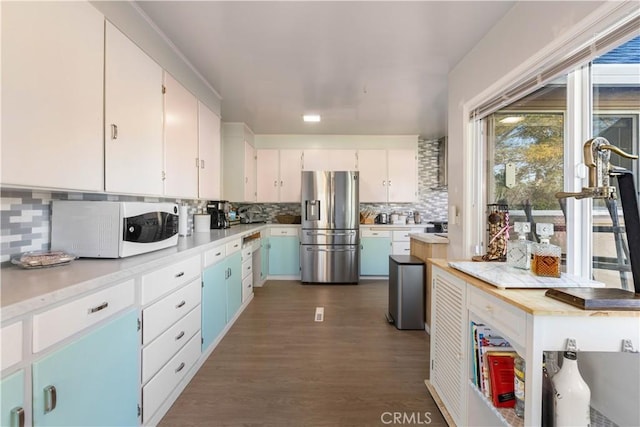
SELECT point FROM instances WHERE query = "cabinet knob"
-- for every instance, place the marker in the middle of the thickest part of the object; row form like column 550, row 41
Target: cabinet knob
column 275, row 183
column 180, row 335
column 179, row 368
column 98, row 308
column 50, row 398
column 181, row 304
column 114, row 131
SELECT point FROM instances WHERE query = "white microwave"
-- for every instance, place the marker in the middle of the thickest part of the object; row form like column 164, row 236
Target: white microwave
column 102, row 229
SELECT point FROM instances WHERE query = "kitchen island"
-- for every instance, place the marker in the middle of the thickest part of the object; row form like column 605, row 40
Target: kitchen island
column 531, row 322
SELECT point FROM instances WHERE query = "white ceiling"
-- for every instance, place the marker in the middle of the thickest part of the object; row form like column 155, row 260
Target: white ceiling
column 367, row 67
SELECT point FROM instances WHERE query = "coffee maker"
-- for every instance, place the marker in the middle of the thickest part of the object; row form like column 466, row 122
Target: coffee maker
column 219, row 211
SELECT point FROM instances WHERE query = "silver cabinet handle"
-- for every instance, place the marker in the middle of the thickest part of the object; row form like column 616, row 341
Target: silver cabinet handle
column 275, row 183
column 179, row 368
column 98, row 308
column 17, row 417
column 197, row 163
column 180, row 335
column 201, row 164
column 218, row 253
column 384, row 183
column 181, row 304
column 180, row 274
column 114, row 131
column 281, row 183
column 50, row 398
column 389, row 183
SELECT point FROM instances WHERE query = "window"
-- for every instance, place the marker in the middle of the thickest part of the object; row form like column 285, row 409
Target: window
column 528, row 139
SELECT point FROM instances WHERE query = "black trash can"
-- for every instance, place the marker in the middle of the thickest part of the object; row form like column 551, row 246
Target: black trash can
column 406, row 292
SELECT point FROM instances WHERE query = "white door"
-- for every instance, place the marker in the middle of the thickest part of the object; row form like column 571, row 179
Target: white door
column 180, row 140
column 372, row 165
column 403, row 175
column 209, row 176
column 52, row 95
column 133, row 118
column 268, row 182
column 250, row 173
column 290, row 176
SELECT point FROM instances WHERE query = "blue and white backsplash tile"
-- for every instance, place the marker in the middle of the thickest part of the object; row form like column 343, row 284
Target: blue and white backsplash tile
column 25, row 215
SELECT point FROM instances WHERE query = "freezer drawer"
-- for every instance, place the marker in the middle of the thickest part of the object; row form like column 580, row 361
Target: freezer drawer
column 330, row 237
column 330, row 264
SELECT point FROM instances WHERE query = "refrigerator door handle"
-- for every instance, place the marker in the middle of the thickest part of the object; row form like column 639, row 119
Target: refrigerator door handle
column 315, row 233
column 349, row 249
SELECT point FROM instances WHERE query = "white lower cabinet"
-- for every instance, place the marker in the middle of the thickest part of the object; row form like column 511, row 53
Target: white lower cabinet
column 400, row 241
column 247, row 271
column 156, row 391
column 170, row 332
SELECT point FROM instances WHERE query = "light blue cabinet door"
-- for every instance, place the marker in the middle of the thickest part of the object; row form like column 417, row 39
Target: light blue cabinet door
column 214, row 303
column 11, row 399
column 234, row 284
column 284, row 256
column 96, row 378
column 264, row 258
column 374, row 256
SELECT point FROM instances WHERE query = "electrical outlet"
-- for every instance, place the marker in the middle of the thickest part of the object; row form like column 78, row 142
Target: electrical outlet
column 544, row 229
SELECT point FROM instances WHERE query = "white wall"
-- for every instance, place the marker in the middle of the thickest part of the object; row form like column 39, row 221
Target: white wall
column 127, row 18
column 527, row 35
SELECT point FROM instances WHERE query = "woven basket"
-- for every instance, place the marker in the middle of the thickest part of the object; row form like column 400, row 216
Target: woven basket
column 289, row 219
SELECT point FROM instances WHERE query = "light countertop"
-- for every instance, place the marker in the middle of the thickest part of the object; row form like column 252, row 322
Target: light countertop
column 24, row 291
column 429, row 238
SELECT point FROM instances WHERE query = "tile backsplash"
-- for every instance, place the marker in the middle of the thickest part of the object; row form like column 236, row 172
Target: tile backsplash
column 25, row 214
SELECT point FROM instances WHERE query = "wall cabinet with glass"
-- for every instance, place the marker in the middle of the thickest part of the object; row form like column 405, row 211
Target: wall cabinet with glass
column 52, row 95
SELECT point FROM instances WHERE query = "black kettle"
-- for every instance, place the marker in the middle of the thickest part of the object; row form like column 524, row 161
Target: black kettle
column 382, row 218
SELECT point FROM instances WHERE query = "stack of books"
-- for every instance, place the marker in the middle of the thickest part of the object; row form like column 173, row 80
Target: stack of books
column 493, row 365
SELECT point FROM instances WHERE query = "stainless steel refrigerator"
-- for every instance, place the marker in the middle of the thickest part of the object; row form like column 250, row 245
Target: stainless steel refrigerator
column 330, row 227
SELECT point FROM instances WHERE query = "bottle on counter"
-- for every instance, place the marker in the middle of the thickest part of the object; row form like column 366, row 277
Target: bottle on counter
column 572, row 396
column 518, row 384
column 546, row 257
column 519, row 251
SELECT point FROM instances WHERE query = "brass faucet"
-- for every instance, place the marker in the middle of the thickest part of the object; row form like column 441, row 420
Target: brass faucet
column 597, row 152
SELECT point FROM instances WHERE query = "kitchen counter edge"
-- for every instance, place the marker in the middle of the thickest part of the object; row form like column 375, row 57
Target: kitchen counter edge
column 24, row 291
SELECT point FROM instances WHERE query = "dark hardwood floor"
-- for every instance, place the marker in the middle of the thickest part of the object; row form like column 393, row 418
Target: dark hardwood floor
column 277, row 367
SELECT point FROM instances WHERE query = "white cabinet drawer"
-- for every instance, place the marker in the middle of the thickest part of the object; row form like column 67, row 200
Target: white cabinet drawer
column 233, row 246
column 166, row 279
column 400, row 248
column 284, row 231
column 507, row 319
column 156, row 354
column 163, row 384
column 11, row 343
column 367, row 232
column 247, row 251
column 159, row 316
column 214, row 255
column 63, row 321
column 247, row 268
column 247, row 287
column 403, row 235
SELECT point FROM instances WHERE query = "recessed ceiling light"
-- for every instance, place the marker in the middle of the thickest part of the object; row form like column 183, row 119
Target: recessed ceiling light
column 311, row 117
column 512, row 119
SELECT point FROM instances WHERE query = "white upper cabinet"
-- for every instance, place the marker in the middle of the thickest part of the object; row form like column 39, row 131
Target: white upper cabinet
column 133, row 118
column 268, row 173
column 329, row 160
column 388, row 175
column 279, row 178
column 238, row 163
column 209, row 176
column 250, row 192
column 52, row 95
column 180, row 140
column 402, row 172
column 372, row 165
